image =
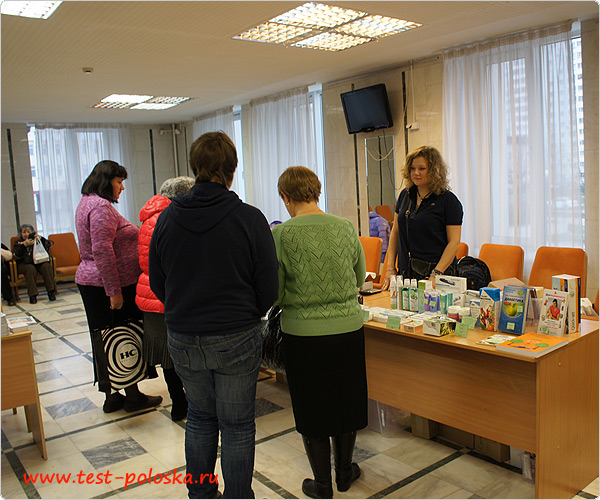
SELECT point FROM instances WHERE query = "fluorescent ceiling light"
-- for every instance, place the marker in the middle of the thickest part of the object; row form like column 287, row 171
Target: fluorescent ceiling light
column 127, row 101
column 126, row 98
column 325, row 27
column 331, row 41
column 152, row 105
column 37, row 10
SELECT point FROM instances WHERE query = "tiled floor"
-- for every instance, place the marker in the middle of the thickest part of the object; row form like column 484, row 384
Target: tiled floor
column 80, row 437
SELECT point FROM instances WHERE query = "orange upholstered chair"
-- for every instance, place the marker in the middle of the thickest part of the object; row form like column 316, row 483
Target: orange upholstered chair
column 504, row 261
column 550, row 261
column 372, row 248
column 386, row 212
column 66, row 253
column 463, row 250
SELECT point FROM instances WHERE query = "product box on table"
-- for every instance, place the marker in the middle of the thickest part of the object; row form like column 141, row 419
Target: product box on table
column 572, row 285
column 439, row 326
column 412, row 326
column 553, row 313
column 513, row 311
column 489, row 301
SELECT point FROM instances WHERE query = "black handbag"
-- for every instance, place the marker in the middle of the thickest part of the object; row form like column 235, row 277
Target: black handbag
column 272, row 353
column 118, row 355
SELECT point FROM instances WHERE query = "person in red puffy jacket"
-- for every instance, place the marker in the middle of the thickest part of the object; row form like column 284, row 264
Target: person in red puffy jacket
column 155, row 349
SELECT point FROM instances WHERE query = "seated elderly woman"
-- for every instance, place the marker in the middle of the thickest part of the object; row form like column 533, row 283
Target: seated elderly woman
column 23, row 254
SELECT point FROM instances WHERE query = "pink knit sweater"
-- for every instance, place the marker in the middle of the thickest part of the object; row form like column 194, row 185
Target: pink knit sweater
column 108, row 244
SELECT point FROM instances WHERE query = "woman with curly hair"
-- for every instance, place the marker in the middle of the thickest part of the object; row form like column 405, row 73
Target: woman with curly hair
column 427, row 223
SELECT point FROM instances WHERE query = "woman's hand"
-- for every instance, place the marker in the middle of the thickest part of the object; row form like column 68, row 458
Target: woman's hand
column 116, row 301
column 386, row 282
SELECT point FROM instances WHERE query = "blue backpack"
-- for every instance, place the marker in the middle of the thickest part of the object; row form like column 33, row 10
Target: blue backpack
column 475, row 270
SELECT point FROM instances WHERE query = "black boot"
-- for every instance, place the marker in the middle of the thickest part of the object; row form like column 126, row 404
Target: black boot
column 318, row 452
column 180, row 405
column 346, row 471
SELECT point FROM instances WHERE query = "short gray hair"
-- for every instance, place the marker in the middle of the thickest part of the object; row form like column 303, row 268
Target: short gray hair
column 176, row 186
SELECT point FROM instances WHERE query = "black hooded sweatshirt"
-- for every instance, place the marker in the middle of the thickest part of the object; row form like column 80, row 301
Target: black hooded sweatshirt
column 213, row 263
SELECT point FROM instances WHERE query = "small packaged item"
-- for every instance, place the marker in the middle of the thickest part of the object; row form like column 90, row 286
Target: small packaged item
column 489, row 315
column 439, row 326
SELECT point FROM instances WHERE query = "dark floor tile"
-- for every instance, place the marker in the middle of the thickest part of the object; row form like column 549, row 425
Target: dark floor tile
column 360, row 455
column 70, row 408
column 111, row 453
column 264, row 407
column 48, row 375
column 70, row 311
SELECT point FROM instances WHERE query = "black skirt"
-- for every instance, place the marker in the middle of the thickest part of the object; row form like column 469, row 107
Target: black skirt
column 100, row 317
column 155, row 350
column 327, row 378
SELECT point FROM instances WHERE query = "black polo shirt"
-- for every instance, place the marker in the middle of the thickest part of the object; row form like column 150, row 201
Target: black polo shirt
column 426, row 226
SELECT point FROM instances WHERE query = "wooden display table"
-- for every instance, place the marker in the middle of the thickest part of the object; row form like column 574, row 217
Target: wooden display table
column 546, row 405
column 19, row 384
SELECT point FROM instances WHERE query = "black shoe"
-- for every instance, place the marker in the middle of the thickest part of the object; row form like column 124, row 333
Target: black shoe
column 175, row 386
column 113, row 402
column 11, row 302
column 179, row 410
column 51, row 296
column 344, row 479
column 312, row 489
column 346, row 471
column 142, row 403
column 33, row 300
column 318, row 452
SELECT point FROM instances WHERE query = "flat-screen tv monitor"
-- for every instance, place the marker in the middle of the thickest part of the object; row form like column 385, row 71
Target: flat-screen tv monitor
column 367, row 109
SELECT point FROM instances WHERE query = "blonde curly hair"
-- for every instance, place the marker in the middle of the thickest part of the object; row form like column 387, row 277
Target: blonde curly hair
column 437, row 172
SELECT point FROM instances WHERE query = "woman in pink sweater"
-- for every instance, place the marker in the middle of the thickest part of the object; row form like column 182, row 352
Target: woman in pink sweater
column 108, row 273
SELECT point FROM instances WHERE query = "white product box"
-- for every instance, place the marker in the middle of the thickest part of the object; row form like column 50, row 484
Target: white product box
column 572, row 285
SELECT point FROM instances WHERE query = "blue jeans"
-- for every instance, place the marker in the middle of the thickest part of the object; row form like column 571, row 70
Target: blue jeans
column 219, row 374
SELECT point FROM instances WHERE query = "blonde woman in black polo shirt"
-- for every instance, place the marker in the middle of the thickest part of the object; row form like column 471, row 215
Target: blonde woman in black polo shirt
column 427, row 223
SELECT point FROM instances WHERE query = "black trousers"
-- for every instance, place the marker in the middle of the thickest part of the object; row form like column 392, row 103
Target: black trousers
column 6, row 289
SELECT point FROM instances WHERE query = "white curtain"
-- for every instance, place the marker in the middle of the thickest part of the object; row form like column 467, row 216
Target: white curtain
column 510, row 140
column 282, row 134
column 224, row 120
column 65, row 155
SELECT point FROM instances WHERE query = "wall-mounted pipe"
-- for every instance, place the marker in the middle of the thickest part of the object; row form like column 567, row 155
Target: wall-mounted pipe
column 175, row 132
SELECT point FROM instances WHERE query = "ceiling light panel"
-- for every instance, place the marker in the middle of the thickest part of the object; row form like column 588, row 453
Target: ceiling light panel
column 37, row 10
column 332, row 41
column 168, row 100
column 127, row 98
column 111, row 105
column 130, row 101
column 318, row 15
column 271, row 32
column 377, row 26
column 153, row 106
column 325, row 27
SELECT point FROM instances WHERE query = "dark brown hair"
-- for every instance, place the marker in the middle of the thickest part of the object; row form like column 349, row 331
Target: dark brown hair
column 213, row 158
column 99, row 180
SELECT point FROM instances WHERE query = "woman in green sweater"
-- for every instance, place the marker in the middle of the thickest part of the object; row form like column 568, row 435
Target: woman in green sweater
column 321, row 266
